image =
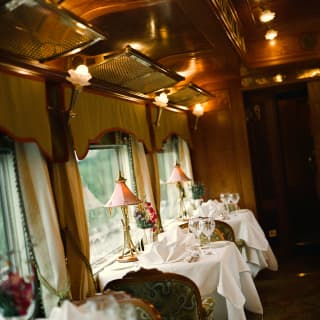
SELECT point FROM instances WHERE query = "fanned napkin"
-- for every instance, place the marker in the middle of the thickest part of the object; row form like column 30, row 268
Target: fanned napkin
column 211, row 208
column 171, row 246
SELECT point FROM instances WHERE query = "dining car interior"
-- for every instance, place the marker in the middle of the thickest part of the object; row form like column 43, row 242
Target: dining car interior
column 159, row 159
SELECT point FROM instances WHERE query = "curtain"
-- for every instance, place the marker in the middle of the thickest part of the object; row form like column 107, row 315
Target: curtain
column 68, row 192
column 23, row 110
column 185, row 159
column 171, row 123
column 141, row 172
column 142, row 175
column 98, row 114
column 42, row 224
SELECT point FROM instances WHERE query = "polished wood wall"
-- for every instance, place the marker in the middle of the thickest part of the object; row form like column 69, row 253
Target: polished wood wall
column 220, row 154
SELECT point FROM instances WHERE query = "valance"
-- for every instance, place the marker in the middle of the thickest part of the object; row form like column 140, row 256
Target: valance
column 171, row 123
column 23, row 110
column 97, row 114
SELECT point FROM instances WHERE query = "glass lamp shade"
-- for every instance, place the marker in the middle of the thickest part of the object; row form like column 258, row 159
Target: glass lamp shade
column 122, row 195
column 178, row 175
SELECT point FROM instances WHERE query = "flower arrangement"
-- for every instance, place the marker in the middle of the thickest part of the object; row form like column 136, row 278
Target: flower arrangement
column 197, row 190
column 146, row 216
column 16, row 295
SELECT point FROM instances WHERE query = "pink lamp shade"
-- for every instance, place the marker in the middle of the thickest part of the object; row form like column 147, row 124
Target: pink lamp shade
column 122, row 195
column 178, row 175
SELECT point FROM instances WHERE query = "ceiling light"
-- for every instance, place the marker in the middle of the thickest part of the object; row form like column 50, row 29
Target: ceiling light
column 271, row 34
column 278, row 78
column 267, row 16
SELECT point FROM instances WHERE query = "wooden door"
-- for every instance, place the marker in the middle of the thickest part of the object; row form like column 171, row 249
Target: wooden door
column 281, row 149
column 299, row 165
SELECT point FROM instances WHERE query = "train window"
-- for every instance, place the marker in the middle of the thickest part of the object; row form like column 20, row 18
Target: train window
column 13, row 245
column 174, row 150
column 98, row 171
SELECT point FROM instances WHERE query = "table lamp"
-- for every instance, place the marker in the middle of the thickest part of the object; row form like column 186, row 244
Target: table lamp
column 121, row 197
column 177, row 177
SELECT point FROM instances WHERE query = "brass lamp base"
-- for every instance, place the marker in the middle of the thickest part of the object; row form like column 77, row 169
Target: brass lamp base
column 128, row 258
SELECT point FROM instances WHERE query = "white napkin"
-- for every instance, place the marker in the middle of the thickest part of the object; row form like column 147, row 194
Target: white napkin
column 171, row 246
column 204, row 209
column 91, row 311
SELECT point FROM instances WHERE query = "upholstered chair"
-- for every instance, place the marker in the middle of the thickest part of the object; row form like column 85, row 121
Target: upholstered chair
column 176, row 297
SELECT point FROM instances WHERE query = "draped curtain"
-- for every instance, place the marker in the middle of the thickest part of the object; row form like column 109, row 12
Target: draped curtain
column 23, row 110
column 142, row 175
column 171, row 123
column 98, row 114
column 68, row 193
column 43, row 224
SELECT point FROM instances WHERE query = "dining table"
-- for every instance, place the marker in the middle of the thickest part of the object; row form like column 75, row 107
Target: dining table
column 221, row 273
column 256, row 250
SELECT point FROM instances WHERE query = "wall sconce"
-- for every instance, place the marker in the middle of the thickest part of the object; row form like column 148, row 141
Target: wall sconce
column 79, row 78
column 121, row 197
column 271, row 34
column 198, row 111
column 161, row 101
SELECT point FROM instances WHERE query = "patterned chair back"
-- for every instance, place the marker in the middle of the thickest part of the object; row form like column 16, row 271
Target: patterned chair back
column 225, row 231
column 176, row 297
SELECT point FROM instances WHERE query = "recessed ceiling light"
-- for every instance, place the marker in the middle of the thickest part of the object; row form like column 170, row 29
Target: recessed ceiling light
column 271, row 34
column 267, row 16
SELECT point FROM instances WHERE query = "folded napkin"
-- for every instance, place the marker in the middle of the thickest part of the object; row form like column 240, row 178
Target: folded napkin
column 211, row 208
column 171, row 246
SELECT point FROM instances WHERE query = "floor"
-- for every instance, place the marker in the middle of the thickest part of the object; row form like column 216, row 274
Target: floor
column 293, row 292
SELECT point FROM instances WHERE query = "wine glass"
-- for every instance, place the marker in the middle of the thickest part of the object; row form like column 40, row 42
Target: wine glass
column 234, row 199
column 225, row 199
column 195, row 227
column 208, row 226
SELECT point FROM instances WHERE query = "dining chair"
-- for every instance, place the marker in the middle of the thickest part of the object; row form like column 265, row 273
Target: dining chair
column 225, row 230
column 144, row 310
column 175, row 296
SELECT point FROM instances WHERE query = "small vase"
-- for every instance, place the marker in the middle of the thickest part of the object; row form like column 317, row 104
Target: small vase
column 147, row 235
column 197, row 203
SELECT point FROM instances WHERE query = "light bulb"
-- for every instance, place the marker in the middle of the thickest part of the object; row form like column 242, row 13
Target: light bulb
column 267, row 16
column 198, row 110
column 271, row 34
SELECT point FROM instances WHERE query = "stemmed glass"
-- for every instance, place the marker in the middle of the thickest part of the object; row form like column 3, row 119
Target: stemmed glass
column 195, row 227
column 234, row 199
column 225, row 198
column 208, row 226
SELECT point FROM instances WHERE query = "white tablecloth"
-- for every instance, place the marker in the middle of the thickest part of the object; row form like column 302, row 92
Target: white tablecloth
column 257, row 251
column 224, row 273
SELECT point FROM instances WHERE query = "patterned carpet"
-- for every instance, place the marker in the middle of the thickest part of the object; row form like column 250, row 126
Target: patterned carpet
column 293, row 292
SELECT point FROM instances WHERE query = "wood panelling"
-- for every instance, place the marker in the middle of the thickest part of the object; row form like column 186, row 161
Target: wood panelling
column 221, row 156
column 283, row 50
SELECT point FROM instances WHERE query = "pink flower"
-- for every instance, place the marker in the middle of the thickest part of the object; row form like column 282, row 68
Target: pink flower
column 19, row 291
